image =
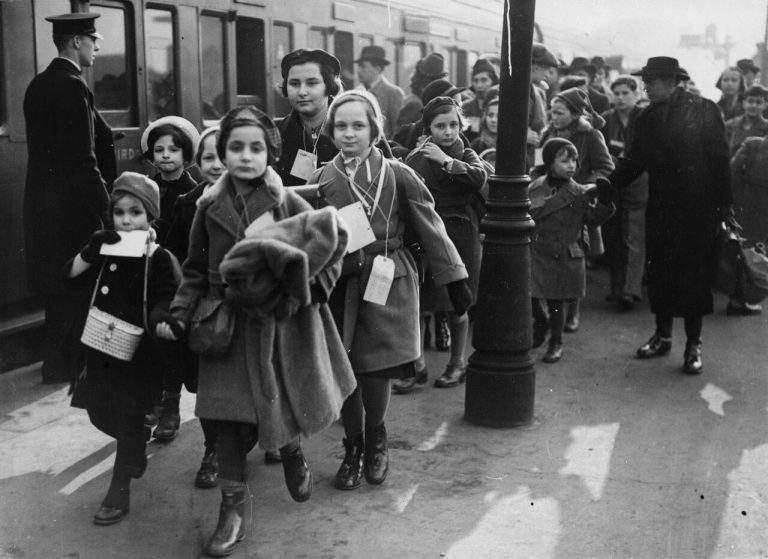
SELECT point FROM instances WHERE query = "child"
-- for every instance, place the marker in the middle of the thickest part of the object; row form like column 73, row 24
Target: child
column 382, row 339
column 117, row 393
column 488, row 127
column 169, row 143
column 279, row 372
column 454, row 176
column 560, row 208
column 752, row 122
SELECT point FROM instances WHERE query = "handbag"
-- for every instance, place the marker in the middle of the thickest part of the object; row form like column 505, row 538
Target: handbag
column 212, row 326
column 111, row 335
column 741, row 270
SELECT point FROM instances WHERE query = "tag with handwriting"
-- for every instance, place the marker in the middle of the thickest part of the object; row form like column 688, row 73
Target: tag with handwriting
column 304, row 165
column 260, row 222
column 380, row 280
column 360, row 232
column 132, row 243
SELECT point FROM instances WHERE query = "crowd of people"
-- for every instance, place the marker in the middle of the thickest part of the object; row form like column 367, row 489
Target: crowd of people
column 283, row 315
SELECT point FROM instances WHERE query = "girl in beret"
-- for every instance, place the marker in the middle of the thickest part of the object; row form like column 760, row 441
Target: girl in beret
column 271, row 382
column 117, row 393
column 454, row 176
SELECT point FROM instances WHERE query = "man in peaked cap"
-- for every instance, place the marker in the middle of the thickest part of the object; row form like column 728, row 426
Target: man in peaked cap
column 680, row 141
column 370, row 72
column 70, row 163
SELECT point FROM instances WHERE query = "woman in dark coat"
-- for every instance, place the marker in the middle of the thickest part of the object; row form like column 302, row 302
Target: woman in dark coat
column 680, row 140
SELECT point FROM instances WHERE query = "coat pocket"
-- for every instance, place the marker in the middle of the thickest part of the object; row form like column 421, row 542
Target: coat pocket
column 212, row 327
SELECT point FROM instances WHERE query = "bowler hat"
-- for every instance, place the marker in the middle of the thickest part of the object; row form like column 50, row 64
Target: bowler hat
column 75, row 24
column 301, row 56
column 542, row 56
column 747, row 65
column 432, row 66
column 373, row 53
column 439, row 88
column 660, row 66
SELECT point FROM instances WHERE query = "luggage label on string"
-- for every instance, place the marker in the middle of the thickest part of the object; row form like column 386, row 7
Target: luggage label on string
column 304, row 165
column 380, row 280
column 259, row 223
column 360, row 232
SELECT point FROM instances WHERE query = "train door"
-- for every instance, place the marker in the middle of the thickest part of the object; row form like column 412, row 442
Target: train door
column 213, row 68
column 250, row 57
column 282, row 44
column 344, row 50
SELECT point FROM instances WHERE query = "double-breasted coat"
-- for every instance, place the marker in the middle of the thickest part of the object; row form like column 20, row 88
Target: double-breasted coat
column 380, row 337
column 235, row 386
column 71, row 162
column 681, row 143
column 560, row 210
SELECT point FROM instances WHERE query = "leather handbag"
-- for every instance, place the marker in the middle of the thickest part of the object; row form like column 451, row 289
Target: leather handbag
column 212, row 326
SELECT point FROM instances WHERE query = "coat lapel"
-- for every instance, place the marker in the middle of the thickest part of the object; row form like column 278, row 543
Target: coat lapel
column 562, row 198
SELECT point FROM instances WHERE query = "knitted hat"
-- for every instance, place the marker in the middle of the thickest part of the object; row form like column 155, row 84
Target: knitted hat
column 249, row 116
column 440, row 88
column 182, row 124
column 578, row 102
column 363, row 96
column 431, row 109
column 432, row 66
column 551, row 148
column 484, row 65
column 542, row 56
column 141, row 187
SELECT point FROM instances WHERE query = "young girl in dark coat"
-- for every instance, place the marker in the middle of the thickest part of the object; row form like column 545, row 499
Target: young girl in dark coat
column 117, row 393
column 169, row 143
column 560, row 208
column 454, row 175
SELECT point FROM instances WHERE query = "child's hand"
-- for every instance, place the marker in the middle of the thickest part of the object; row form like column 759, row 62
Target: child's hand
column 91, row 251
column 167, row 331
column 433, row 152
column 533, row 137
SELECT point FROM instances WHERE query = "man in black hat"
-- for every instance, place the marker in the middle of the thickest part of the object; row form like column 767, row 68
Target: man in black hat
column 370, row 72
column 428, row 69
column 680, row 140
column 70, row 162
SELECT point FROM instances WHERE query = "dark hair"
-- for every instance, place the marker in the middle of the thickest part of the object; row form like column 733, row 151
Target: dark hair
column 440, row 106
column 249, row 116
column 754, row 91
column 60, row 40
column 629, row 81
column 115, row 197
column 572, row 81
column 180, row 140
column 332, row 82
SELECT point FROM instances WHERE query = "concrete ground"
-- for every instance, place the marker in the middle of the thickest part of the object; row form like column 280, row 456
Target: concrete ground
column 624, row 458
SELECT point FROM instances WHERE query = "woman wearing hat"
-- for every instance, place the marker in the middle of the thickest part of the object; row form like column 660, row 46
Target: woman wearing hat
column 573, row 118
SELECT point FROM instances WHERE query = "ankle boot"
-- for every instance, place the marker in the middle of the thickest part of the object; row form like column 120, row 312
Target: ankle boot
column 231, row 526
column 298, row 475
column 208, row 472
column 377, row 455
column 116, row 504
column 168, row 425
column 350, row 472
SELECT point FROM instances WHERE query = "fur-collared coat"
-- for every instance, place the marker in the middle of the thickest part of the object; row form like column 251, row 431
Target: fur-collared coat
column 289, row 376
column 557, row 257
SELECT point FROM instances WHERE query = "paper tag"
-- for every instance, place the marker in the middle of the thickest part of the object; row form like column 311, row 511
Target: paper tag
column 132, row 243
column 538, row 159
column 360, row 232
column 304, row 165
column 617, row 144
column 259, row 223
column 380, row 280
column 474, row 123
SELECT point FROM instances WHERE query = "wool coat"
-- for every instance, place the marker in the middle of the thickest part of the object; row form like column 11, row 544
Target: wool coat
column 71, row 162
column 740, row 128
column 170, row 191
column 295, row 137
column 301, row 391
column 379, row 337
column 750, row 188
column 594, row 158
column 681, row 143
column 390, row 98
column 180, row 223
column 557, row 256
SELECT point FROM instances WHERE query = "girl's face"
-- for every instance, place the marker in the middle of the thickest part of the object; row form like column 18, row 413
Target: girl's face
column 351, row 129
column 564, row 165
column 246, row 153
column 128, row 214
column 445, row 128
column 168, row 157
column 210, row 164
column 306, row 89
column 753, row 106
column 492, row 119
column 729, row 82
column 561, row 115
column 481, row 82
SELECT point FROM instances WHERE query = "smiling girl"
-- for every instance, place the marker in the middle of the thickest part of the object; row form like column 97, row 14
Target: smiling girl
column 732, row 85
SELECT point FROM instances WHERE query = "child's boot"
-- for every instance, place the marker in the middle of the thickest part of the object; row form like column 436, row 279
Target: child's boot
column 209, row 470
column 117, row 502
column 298, row 475
column 376, row 455
column 350, row 474
column 231, row 526
column 168, row 426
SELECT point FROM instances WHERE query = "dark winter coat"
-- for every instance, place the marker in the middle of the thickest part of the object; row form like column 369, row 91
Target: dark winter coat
column 295, row 137
column 177, row 238
column 557, row 256
column 740, row 128
column 170, row 191
column 594, row 158
column 113, row 384
column 750, row 188
column 71, row 163
column 681, row 143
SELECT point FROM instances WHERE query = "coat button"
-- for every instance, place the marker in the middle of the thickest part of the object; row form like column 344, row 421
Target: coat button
column 104, row 290
column 112, row 267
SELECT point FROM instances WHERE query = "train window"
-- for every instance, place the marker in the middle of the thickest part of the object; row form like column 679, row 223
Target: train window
column 412, row 53
column 343, row 49
column 282, row 41
column 461, row 68
column 317, row 39
column 213, row 68
column 113, row 73
column 251, row 71
column 45, row 51
column 390, row 72
column 161, row 63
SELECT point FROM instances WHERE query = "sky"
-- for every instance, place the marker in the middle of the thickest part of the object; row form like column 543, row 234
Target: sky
column 639, row 29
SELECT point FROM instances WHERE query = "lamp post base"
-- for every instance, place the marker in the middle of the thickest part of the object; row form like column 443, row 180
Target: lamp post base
column 500, row 390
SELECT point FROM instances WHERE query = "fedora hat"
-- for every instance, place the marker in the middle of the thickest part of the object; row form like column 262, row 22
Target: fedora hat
column 373, row 53
column 658, row 66
column 432, row 66
column 747, row 65
column 580, row 63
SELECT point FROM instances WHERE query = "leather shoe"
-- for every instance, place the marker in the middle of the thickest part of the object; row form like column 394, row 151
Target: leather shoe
column 106, row 516
column 692, row 364
column 452, row 376
column 350, row 474
column 376, row 455
column 406, row 385
column 554, row 353
column 208, row 473
column 655, row 347
column 298, row 475
column 230, row 528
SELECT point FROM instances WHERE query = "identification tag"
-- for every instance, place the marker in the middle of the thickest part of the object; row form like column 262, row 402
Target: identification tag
column 538, row 158
column 131, row 243
column 474, row 123
column 304, row 165
column 618, row 145
column 360, row 232
column 259, row 223
column 380, row 280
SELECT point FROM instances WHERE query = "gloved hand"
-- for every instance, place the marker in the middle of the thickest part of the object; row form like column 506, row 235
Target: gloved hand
column 90, row 252
column 460, row 295
column 604, row 189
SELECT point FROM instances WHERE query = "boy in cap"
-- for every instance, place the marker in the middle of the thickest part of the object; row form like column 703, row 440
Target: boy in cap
column 370, row 72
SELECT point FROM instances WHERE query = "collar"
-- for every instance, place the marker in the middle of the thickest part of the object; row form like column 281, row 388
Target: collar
column 75, row 64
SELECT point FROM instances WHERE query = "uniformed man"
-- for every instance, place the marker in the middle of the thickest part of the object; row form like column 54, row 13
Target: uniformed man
column 70, row 164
